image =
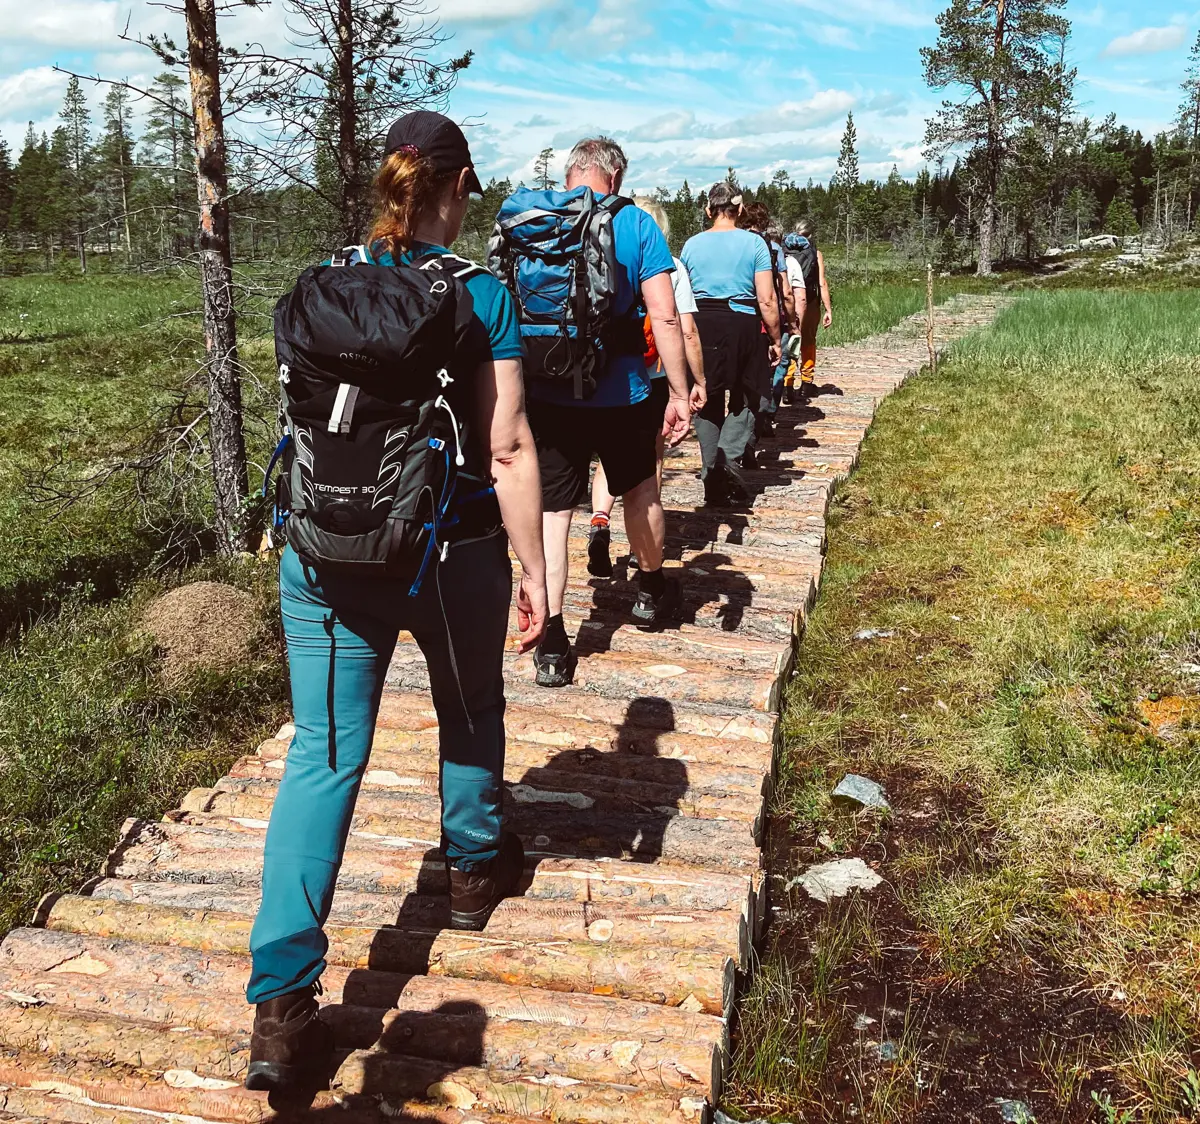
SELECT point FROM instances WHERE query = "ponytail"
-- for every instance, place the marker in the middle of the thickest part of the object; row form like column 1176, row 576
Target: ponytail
column 406, row 185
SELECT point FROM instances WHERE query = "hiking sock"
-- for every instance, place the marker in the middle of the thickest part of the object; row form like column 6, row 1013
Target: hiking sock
column 555, row 642
column 653, row 582
column 599, row 518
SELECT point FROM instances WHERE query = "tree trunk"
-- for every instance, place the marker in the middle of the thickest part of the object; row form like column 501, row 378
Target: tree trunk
column 987, row 229
column 226, row 439
column 79, row 242
column 349, row 156
column 125, row 204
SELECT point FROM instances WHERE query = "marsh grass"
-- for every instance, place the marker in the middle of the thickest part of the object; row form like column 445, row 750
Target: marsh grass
column 1027, row 523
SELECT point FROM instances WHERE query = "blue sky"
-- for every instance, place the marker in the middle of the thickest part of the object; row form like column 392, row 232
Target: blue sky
column 689, row 86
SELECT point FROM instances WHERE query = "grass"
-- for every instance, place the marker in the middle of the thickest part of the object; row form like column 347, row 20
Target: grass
column 1027, row 523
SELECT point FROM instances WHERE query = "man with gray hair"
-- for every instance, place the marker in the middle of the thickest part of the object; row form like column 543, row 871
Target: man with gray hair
column 620, row 421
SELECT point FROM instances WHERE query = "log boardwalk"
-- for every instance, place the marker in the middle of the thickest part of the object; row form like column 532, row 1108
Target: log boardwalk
column 600, row 996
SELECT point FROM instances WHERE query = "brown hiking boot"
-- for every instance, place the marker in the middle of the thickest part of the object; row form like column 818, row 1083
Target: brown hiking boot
column 291, row 1048
column 475, row 894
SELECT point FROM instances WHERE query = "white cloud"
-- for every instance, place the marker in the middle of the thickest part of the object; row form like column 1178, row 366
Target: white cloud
column 679, row 124
column 835, row 35
column 61, row 23
column 1148, row 41
column 677, row 59
column 31, row 93
column 792, row 116
column 494, row 11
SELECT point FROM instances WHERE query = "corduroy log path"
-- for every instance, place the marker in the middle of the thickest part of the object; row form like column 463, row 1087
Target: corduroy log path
column 602, row 994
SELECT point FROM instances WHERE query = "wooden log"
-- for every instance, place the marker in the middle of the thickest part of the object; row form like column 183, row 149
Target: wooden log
column 371, row 1072
column 554, row 719
column 560, row 830
column 84, row 1092
column 654, row 974
column 608, row 795
column 618, row 675
column 376, row 864
column 459, row 1031
column 514, row 919
column 47, row 960
column 417, row 756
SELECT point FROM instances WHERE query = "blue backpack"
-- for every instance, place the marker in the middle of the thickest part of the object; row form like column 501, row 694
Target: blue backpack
column 556, row 253
column 798, row 247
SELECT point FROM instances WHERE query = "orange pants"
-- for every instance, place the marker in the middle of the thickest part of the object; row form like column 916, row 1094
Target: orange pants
column 809, row 323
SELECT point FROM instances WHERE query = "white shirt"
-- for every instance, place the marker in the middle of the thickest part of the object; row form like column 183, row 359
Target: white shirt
column 794, row 273
column 685, row 300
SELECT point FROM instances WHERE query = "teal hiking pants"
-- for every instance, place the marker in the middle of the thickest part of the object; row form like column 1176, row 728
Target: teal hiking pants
column 340, row 633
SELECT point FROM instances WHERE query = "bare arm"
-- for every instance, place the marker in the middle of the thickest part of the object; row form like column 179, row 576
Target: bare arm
column 825, row 290
column 789, row 305
column 695, row 359
column 658, row 294
column 515, row 476
column 768, row 307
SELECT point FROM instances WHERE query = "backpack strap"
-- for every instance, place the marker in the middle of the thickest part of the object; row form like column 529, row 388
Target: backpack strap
column 461, row 269
column 343, row 256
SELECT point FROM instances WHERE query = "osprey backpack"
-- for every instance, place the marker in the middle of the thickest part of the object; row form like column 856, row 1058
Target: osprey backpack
column 371, row 446
column 555, row 252
column 801, row 249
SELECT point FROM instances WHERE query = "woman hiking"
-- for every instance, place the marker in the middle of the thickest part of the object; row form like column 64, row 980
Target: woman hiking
column 809, row 301
column 341, row 629
column 733, row 278
column 599, row 536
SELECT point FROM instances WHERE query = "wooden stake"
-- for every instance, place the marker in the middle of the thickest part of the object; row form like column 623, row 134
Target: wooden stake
column 929, row 319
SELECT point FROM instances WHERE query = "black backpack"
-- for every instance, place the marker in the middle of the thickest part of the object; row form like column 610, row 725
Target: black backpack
column 372, row 444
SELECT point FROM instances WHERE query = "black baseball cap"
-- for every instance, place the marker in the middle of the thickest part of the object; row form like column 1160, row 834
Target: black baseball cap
column 438, row 139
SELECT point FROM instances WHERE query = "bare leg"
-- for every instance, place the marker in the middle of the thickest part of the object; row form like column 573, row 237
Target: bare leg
column 602, row 498
column 556, row 528
column 645, row 525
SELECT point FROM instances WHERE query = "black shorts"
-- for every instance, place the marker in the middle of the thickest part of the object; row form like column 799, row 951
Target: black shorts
column 568, row 437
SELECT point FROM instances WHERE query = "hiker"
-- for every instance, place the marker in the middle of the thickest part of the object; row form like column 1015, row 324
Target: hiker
column 423, row 408
column 809, row 300
column 733, row 277
column 587, row 267
column 599, row 535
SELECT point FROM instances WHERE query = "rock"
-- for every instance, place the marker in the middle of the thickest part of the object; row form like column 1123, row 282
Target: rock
column 1099, row 242
column 861, row 792
column 874, row 633
column 888, row 1051
column 864, row 1022
column 835, row 879
column 1054, row 252
column 1015, row 1112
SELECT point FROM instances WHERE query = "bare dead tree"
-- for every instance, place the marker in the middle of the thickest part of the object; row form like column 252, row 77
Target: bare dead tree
column 317, row 117
column 226, row 437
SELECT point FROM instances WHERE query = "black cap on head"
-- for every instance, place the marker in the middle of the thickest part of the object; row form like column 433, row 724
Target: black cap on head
column 438, row 139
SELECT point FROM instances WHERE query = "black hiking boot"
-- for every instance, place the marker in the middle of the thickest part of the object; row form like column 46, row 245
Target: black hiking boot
column 554, row 670
column 651, row 612
column 599, row 559
column 291, row 1049
column 475, row 894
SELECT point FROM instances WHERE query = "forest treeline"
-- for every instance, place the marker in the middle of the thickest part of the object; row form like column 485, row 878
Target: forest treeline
column 97, row 184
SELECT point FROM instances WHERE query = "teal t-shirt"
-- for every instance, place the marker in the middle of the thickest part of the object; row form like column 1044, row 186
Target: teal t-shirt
column 722, row 265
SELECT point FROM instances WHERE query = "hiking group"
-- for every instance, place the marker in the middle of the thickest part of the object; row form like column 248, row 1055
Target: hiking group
column 436, row 413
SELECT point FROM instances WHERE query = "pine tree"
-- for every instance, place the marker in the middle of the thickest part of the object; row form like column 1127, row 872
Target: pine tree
column 1119, row 219
column 847, row 176
column 30, row 190
column 114, row 157
column 541, row 170
column 7, row 183
column 169, row 146
column 1005, row 59
column 76, row 120
column 1189, row 124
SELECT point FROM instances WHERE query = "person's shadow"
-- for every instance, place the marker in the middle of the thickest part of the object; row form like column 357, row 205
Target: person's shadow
column 616, row 804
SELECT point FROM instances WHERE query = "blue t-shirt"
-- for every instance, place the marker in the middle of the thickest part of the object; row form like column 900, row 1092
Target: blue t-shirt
column 722, row 265
column 642, row 252
column 496, row 333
